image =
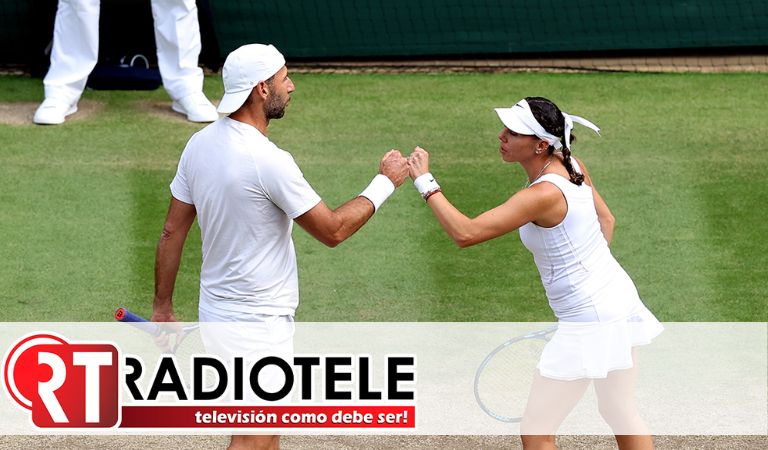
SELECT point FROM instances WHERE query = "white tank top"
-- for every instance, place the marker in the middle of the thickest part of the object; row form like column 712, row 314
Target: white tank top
column 582, row 279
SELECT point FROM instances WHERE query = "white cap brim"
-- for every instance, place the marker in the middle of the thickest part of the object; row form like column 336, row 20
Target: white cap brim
column 512, row 121
column 232, row 101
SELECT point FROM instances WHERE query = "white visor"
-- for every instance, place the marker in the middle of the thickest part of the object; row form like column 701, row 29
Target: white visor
column 513, row 121
column 520, row 119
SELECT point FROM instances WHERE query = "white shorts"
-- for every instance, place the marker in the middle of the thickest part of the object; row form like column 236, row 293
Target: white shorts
column 251, row 337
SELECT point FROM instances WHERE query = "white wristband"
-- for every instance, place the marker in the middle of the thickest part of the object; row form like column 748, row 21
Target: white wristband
column 425, row 184
column 378, row 191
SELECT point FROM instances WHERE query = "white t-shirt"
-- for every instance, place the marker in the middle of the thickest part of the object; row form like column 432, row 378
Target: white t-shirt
column 246, row 192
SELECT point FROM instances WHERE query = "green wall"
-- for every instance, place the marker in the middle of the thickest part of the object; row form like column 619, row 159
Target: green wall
column 339, row 28
column 412, row 28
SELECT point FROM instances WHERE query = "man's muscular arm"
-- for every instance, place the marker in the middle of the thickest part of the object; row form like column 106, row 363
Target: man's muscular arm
column 332, row 227
column 169, row 249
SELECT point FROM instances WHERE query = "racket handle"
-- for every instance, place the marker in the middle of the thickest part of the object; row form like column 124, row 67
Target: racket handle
column 123, row 315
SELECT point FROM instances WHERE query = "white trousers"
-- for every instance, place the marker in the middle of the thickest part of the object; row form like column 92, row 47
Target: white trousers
column 76, row 47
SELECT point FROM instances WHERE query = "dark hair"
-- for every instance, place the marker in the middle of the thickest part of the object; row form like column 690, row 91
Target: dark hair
column 269, row 82
column 551, row 118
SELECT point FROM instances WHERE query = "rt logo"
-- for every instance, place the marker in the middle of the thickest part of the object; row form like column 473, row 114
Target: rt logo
column 65, row 385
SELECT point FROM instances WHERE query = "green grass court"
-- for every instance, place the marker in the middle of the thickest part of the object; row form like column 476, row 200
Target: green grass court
column 682, row 163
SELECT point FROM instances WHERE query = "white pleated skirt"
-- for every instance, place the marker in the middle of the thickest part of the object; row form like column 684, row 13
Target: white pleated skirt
column 580, row 350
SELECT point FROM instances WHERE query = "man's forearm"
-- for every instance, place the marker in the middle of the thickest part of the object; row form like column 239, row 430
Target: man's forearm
column 332, row 227
column 352, row 216
column 168, row 257
column 167, row 263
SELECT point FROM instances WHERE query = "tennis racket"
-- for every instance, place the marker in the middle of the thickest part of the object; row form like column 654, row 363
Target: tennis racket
column 156, row 329
column 502, row 380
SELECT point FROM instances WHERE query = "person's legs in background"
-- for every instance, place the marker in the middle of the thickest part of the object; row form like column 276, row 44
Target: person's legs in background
column 177, row 36
column 74, row 54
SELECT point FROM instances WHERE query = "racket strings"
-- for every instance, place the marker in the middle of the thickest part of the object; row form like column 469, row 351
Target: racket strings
column 504, row 382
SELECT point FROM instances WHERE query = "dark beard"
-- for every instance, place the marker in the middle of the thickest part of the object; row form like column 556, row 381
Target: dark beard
column 275, row 109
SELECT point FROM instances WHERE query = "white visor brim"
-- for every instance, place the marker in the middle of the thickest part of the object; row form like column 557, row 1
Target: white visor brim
column 511, row 120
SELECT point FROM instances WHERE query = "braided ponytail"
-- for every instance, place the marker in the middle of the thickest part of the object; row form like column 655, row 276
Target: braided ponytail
column 551, row 118
column 576, row 177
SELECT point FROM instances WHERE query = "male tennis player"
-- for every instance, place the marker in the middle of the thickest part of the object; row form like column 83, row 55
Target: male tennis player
column 246, row 193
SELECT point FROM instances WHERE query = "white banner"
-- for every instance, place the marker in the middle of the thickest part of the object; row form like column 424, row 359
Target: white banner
column 372, row 378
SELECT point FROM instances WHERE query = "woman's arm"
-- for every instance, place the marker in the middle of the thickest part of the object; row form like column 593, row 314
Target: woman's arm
column 525, row 206
column 604, row 215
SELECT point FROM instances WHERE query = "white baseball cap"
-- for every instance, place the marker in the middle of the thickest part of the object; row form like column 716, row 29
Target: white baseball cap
column 244, row 69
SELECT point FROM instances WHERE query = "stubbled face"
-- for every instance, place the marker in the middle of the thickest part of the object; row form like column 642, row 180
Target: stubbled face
column 516, row 147
column 281, row 88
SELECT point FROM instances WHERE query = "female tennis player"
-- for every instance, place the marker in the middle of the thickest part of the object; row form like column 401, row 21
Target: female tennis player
column 568, row 227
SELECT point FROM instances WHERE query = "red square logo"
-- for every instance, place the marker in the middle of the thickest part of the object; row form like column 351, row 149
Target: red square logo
column 66, row 385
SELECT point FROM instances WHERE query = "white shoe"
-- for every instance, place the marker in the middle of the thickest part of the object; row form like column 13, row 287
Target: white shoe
column 53, row 112
column 196, row 107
